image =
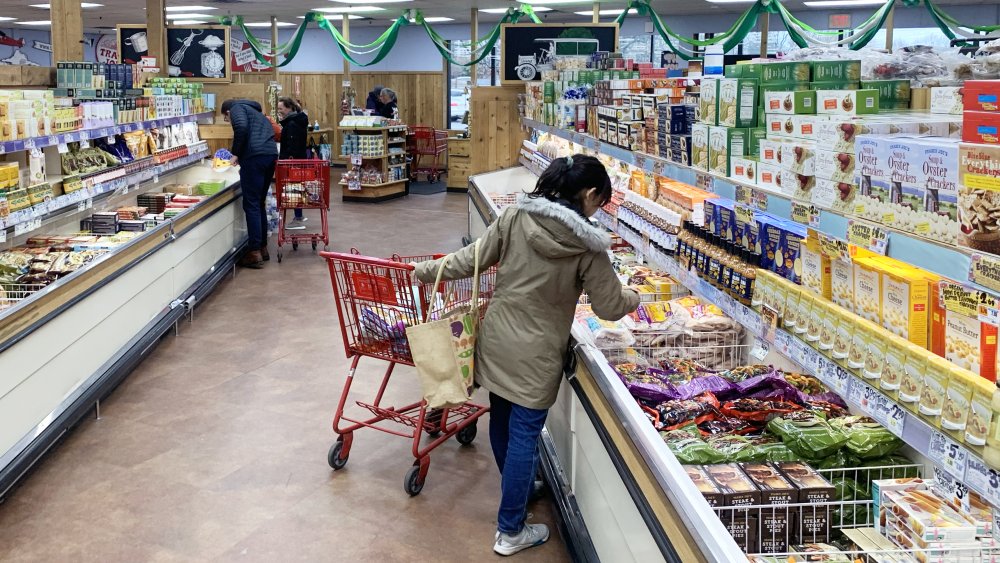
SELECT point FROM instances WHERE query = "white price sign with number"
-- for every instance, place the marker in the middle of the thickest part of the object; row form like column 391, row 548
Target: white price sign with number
column 760, row 349
column 356, row 159
column 981, row 478
column 950, row 456
column 894, row 417
column 3, row 236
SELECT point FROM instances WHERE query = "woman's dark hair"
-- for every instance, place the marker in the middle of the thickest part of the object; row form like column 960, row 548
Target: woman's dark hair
column 290, row 103
column 568, row 177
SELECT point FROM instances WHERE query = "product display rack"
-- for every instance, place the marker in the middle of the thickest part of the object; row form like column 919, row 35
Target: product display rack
column 73, row 341
column 385, row 190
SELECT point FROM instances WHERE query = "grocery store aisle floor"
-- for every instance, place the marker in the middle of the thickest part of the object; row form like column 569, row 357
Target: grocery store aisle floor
column 214, row 449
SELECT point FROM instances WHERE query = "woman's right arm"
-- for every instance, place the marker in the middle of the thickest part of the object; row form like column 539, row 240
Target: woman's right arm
column 609, row 299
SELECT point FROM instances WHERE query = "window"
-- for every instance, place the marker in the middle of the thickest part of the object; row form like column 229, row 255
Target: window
column 778, row 42
column 460, row 80
column 907, row 37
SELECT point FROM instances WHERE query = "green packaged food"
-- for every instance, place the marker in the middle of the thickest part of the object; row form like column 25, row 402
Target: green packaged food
column 807, row 434
column 866, row 438
column 839, row 70
column 797, row 71
column 890, row 90
column 689, row 448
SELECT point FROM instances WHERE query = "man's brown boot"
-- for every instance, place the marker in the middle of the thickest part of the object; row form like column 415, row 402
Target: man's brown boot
column 265, row 254
column 252, row 259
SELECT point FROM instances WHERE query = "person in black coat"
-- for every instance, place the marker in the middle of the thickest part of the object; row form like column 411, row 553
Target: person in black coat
column 256, row 153
column 382, row 101
column 294, row 133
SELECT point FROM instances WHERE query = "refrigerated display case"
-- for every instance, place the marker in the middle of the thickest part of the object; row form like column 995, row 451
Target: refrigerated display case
column 67, row 345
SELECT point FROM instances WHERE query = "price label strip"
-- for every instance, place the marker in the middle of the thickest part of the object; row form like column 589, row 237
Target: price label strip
column 983, row 480
column 947, row 454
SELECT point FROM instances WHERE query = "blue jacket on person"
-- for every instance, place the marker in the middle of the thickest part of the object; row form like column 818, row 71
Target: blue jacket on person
column 253, row 134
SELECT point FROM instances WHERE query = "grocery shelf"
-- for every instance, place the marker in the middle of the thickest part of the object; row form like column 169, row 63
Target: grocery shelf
column 947, row 261
column 382, row 185
column 96, row 133
column 363, row 157
column 37, row 216
column 962, row 462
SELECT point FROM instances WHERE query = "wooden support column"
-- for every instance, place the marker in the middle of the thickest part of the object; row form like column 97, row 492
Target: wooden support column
column 346, row 32
column 274, row 45
column 597, row 13
column 156, row 33
column 765, row 23
column 474, row 36
column 889, row 24
column 67, row 30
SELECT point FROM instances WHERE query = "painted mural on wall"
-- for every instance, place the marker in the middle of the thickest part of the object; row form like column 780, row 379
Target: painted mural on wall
column 25, row 47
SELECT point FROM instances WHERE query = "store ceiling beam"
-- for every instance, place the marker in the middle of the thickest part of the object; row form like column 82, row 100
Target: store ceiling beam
column 597, row 13
column 67, row 30
column 156, row 32
column 474, row 37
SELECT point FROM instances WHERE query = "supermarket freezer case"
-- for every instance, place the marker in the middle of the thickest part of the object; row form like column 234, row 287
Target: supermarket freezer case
column 67, row 346
column 622, row 494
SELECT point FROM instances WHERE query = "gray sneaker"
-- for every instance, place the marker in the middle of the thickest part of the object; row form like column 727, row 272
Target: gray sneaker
column 530, row 536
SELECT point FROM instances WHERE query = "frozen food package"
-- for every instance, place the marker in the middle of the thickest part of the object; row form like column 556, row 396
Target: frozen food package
column 866, row 438
column 807, row 434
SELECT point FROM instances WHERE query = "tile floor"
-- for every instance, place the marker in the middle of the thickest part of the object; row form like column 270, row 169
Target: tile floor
column 214, row 449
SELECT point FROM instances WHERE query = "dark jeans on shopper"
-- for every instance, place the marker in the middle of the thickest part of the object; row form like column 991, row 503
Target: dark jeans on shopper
column 514, row 432
column 256, row 173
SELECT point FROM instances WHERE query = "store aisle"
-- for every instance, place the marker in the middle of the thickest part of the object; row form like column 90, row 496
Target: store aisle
column 215, row 448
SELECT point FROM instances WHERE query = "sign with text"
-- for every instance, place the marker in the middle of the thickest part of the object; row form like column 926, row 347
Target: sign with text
column 868, row 236
column 985, row 271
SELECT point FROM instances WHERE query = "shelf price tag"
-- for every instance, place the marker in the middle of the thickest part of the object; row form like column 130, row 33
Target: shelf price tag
column 90, row 203
column 834, row 248
column 894, row 416
column 63, row 148
column 759, row 200
column 3, row 236
column 987, row 310
column 760, row 349
column 983, row 480
column 744, row 194
column 946, row 453
column 869, row 399
column 356, row 159
column 84, row 144
column 868, row 236
column 985, row 271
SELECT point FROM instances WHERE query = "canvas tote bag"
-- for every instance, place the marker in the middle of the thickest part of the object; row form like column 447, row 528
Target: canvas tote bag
column 443, row 350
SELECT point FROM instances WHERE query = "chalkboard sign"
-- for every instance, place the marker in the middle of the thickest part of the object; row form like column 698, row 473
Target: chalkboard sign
column 133, row 44
column 526, row 47
column 199, row 52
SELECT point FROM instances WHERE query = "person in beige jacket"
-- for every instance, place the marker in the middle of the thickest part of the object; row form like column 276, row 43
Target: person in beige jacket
column 548, row 252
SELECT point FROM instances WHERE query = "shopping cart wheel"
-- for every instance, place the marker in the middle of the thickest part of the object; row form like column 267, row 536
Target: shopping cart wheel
column 279, row 257
column 314, row 246
column 466, row 435
column 334, row 458
column 412, row 483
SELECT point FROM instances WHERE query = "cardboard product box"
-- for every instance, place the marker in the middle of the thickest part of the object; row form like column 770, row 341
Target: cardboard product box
column 906, row 304
column 927, row 516
column 979, row 197
column 813, row 488
column 744, row 529
column 769, row 177
column 737, row 489
column 890, row 91
column 744, row 169
column 847, row 102
column 839, row 85
column 868, row 289
column 723, row 144
column 981, row 95
column 699, row 146
column 837, row 70
column 946, row 100
column 705, row 485
column 769, row 151
column 790, row 103
column 835, row 196
column 797, row 71
column 872, row 176
column 937, row 171
column 754, row 138
column 708, row 101
column 981, row 127
column 738, row 102
column 776, row 491
column 970, row 343
column 798, row 186
column 880, row 486
column 799, row 157
column 906, row 195
column 834, row 166
column 816, row 269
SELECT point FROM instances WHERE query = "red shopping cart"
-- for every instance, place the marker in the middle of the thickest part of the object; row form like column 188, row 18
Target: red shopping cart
column 376, row 300
column 424, row 142
column 302, row 184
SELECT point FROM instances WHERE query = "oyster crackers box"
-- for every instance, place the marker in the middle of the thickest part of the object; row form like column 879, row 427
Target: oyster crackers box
column 937, row 172
column 872, row 176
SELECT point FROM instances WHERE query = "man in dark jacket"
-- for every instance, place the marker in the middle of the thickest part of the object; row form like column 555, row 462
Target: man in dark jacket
column 255, row 151
column 294, row 132
column 382, row 101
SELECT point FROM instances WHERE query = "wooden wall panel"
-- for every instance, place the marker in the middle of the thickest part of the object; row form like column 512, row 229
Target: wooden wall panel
column 496, row 128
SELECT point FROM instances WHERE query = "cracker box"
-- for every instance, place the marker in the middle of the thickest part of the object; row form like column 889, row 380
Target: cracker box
column 837, row 70
column 798, row 186
column 699, row 146
column 981, row 127
column 872, row 176
column 744, row 169
column 813, row 489
column 738, row 102
column 769, row 151
column 906, row 304
column 834, row 166
column 947, row 100
column 708, row 101
column 796, row 71
column 705, row 485
column 937, row 171
column 833, row 195
column 981, row 95
column 847, row 102
column 724, row 143
column 799, row 157
column 842, row 283
column 815, row 269
column 868, row 289
column 790, row 103
column 979, row 197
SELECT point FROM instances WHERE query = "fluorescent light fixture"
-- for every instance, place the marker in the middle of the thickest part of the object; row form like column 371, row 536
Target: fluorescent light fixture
column 268, row 24
column 82, row 5
column 349, row 9
column 189, row 8
column 539, row 2
column 730, row 1
column 437, row 19
column 39, row 22
column 350, row 17
column 608, row 12
column 370, row 1
column 188, row 22
column 6, row 19
column 186, row 16
column 503, row 10
column 842, row 3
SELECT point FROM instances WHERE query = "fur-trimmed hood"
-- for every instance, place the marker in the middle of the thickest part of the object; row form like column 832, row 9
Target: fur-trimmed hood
column 560, row 232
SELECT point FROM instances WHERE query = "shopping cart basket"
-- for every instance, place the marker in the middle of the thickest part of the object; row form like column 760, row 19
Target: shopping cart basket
column 376, row 300
column 302, row 184
column 426, row 142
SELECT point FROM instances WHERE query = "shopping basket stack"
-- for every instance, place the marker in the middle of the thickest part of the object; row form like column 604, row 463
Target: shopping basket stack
column 376, row 300
column 302, row 184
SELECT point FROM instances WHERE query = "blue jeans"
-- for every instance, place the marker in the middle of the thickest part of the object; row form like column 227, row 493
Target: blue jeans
column 256, row 173
column 514, row 432
column 298, row 213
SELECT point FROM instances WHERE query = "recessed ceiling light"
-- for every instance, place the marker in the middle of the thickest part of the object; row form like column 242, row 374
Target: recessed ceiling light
column 560, row 2
column 730, row 1
column 188, row 8
column 349, row 9
column 349, row 16
column 838, row 3
column 370, row 1
column 6, row 19
column 188, row 22
column 504, row 10
column 435, row 20
column 186, row 16
column 608, row 12
column 39, row 22
column 82, row 5
column 268, row 24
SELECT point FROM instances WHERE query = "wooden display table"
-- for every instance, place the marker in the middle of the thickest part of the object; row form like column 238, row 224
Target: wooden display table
column 391, row 163
column 459, row 164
